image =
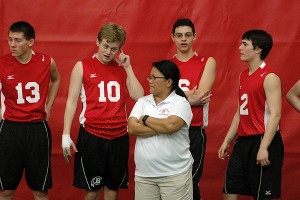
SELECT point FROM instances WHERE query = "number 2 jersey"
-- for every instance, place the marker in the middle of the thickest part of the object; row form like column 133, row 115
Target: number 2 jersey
column 103, row 98
column 254, row 113
column 24, row 87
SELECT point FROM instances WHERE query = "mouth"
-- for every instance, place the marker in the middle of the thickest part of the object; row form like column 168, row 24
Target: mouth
column 106, row 56
column 183, row 44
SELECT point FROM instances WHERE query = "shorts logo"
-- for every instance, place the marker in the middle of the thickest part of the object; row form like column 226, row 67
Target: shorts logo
column 96, row 181
column 268, row 192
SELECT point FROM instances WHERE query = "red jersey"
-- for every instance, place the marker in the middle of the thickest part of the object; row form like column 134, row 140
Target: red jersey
column 190, row 74
column 254, row 113
column 24, row 87
column 103, row 99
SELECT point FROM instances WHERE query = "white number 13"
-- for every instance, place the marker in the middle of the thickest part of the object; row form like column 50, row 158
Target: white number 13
column 35, row 91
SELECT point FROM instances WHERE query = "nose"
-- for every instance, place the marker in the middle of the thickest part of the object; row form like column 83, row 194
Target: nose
column 240, row 47
column 11, row 43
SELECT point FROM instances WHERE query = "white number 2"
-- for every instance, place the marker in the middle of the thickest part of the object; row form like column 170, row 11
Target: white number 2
column 35, row 91
column 243, row 109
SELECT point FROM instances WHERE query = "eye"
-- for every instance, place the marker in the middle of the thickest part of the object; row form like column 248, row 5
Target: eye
column 114, row 49
column 188, row 35
column 178, row 35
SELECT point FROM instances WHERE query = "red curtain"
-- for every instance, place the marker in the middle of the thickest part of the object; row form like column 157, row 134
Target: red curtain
column 67, row 30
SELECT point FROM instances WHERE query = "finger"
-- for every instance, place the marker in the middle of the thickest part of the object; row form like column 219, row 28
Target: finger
column 74, row 147
column 118, row 61
column 66, row 153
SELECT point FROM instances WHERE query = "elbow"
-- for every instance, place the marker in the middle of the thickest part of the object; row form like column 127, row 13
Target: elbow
column 130, row 131
column 171, row 128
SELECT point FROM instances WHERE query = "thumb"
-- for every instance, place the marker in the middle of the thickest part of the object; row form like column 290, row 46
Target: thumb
column 74, row 147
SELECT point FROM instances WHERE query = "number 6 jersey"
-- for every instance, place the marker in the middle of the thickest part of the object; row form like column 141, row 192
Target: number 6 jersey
column 24, row 87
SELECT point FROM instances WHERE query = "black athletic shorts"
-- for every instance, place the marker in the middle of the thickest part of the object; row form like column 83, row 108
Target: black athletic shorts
column 197, row 137
column 245, row 177
column 101, row 162
column 25, row 145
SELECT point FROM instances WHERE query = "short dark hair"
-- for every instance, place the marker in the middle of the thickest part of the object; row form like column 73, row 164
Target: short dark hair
column 183, row 22
column 171, row 71
column 260, row 39
column 23, row 27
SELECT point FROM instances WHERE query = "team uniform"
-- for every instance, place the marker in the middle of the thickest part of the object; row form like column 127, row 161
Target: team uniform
column 163, row 155
column 243, row 175
column 190, row 74
column 103, row 143
column 25, row 137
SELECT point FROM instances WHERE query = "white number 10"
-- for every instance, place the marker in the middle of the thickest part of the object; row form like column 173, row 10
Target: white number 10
column 109, row 87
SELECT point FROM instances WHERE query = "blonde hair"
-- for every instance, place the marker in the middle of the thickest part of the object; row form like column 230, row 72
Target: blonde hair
column 112, row 33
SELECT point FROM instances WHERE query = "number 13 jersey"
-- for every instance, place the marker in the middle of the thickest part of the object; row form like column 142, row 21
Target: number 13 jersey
column 24, row 87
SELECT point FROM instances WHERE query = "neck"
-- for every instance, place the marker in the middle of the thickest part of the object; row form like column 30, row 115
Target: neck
column 185, row 56
column 254, row 65
column 25, row 58
column 160, row 98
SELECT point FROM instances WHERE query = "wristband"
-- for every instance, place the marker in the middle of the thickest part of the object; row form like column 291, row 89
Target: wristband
column 144, row 119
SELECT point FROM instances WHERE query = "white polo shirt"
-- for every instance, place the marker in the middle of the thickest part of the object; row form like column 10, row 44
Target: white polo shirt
column 163, row 154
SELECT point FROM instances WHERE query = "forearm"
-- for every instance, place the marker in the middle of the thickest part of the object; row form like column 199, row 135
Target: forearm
column 232, row 132
column 294, row 101
column 53, row 90
column 68, row 116
column 270, row 132
column 166, row 125
column 138, row 129
column 134, row 87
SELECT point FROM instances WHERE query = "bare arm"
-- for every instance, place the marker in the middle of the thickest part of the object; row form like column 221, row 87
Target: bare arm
column 231, row 134
column 293, row 96
column 73, row 94
column 139, row 129
column 71, row 105
column 168, row 125
column 134, row 87
column 53, row 87
column 201, row 95
column 272, row 87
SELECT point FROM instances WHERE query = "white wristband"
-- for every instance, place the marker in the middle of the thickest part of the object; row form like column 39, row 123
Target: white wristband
column 66, row 141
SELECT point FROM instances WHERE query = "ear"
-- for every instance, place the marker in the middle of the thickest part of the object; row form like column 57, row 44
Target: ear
column 195, row 35
column 97, row 42
column 172, row 36
column 169, row 82
column 31, row 42
column 258, row 50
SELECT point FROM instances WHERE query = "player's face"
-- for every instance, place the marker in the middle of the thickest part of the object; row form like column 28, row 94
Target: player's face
column 247, row 52
column 18, row 44
column 107, row 50
column 183, row 38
